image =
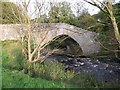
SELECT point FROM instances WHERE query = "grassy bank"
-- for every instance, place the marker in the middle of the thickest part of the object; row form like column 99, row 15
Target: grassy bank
column 18, row 74
column 17, row 79
column 13, row 74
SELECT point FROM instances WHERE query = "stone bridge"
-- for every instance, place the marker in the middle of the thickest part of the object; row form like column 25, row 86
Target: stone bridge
column 44, row 33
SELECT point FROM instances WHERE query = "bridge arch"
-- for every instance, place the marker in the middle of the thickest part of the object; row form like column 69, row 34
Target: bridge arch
column 85, row 38
column 66, row 45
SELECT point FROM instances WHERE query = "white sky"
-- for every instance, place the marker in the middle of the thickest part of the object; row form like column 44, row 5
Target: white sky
column 91, row 9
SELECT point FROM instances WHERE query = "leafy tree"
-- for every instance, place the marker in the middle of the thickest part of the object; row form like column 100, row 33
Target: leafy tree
column 61, row 13
column 107, row 7
column 105, row 21
column 86, row 21
column 42, row 19
column 11, row 13
column 54, row 14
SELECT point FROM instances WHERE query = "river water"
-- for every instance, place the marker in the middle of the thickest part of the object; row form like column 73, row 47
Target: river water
column 105, row 69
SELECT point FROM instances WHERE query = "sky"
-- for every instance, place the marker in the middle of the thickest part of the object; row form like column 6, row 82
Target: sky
column 91, row 9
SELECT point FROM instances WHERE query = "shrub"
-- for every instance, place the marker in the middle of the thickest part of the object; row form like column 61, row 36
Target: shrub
column 55, row 71
column 51, row 70
column 16, row 79
column 13, row 58
column 86, row 80
column 19, row 58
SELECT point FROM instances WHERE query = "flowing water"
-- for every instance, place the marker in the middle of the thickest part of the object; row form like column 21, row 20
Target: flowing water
column 105, row 69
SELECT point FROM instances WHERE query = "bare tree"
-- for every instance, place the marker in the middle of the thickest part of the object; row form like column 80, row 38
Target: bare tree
column 32, row 53
column 79, row 8
column 106, row 7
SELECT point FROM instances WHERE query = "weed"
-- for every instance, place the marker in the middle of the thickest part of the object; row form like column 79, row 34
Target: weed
column 85, row 80
column 51, row 70
column 17, row 79
column 12, row 56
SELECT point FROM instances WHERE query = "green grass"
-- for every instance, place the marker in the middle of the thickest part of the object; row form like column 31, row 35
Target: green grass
column 48, row 75
column 12, row 56
column 13, row 76
column 17, row 79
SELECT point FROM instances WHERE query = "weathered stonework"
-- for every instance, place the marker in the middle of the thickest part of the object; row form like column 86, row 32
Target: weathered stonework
column 86, row 39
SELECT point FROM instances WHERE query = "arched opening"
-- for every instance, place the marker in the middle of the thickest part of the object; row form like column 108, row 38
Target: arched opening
column 65, row 45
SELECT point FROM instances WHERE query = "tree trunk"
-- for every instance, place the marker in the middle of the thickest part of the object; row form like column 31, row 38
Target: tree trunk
column 29, row 47
column 116, row 31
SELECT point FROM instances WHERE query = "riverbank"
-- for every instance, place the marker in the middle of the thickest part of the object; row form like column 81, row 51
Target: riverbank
column 106, row 69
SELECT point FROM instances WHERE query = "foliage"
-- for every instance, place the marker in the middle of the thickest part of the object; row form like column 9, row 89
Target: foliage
column 17, row 79
column 60, row 13
column 56, row 71
column 105, row 30
column 50, row 70
column 42, row 19
column 116, row 10
column 104, row 20
column 107, row 8
column 86, row 80
column 14, row 59
column 12, row 56
column 25, row 45
column 86, row 21
column 11, row 13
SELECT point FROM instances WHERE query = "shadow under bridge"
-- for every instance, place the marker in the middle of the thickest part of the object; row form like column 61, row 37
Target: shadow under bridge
column 64, row 44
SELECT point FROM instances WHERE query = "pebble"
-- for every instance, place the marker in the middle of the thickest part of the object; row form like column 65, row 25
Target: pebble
column 69, row 59
column 98, row 61
column 111, row 71
column 89, row 60
column 95, row 65
column 66, row 60
column 76, row 65
column 82, row 64
column 61, row 61
column 107, row 65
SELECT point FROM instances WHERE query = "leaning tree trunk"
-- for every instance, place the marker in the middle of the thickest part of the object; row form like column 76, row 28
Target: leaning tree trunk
column 113, row 20
column 116, row 31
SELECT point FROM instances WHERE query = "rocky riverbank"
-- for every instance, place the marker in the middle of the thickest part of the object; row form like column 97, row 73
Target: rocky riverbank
column 105, row 69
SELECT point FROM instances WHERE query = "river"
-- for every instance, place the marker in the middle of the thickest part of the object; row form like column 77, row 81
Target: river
column 105, row 69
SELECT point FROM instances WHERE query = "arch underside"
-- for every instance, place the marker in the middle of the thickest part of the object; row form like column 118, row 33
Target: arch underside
column 65, row 45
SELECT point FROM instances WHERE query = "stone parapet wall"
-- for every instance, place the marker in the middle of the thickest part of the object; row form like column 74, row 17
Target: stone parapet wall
column 10, row 31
